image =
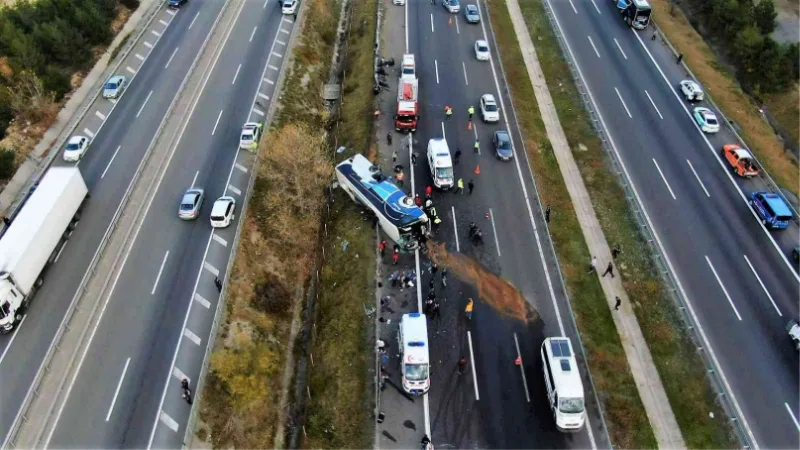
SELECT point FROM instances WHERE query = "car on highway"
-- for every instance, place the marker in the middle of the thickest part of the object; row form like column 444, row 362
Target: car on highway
column 452, row 6
column 222, row 212
column 251, row 134
column 502, row 145
column 174, row 4
column 471, row 13
column 793, row 328
column 489, row 111
column 706, row 119
column 692, row 91
column 115, row 86
column 481, row 50
column 741, row 161
column 399, row 2
column 289, row 6
column 75, row 148
column 796, row 254
column 771, row 209
column 191, row 202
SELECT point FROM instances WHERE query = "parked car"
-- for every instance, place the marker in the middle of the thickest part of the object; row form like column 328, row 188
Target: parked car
column 174, row 4
column 472, row 14
column 740, row 160
column 692, row 90
column 452, row 6
column 489, row 110
column 289, row 6
column 771, row 209
column 191, row 202
column 75, row 148
column 222, row 212
column 115, row 86
column 481, row 50
column 502, row 145
column 706, row 119
column 251, row 134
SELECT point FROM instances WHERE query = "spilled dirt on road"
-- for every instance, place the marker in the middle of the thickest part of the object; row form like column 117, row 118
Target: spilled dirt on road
column 493, row 290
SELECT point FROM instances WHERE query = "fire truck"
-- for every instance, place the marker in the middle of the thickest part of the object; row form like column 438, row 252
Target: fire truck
column 407, row 105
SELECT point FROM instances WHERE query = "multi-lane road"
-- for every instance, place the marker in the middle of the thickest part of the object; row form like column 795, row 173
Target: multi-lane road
column 735, row 274
column 157, row 318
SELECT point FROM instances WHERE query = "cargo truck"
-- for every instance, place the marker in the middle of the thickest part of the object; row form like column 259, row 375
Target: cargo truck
column 34, row 239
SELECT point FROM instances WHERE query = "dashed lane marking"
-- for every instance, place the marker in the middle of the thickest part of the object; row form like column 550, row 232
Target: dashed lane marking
column 214, row 271
column 199, row 299
column 278, row 41
column 168, row 421
column 130, row 69
column 272, row 67
column 287, row 20
column 264, row 96
column 100, row 115
column 170, row 12
column 277, row 54
column 219, row 239
column 241, row 167
column 235, row 190
column 156, row 33
column 88, row 132
column 164, row 22
column 113, row 101
column 191, row 336
column 284, row 31
column 139, row 57
column 258, row 111
column 269, row 81
column 180, row 375
column 148, row 45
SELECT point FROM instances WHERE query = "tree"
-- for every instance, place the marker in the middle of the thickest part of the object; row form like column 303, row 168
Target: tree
column 764, row 15
column 792, row 54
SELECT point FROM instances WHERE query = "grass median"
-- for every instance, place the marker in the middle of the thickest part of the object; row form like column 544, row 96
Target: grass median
column 680, row 367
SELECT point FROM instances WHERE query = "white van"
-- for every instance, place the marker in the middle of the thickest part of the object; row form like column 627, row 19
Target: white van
column 564, row 385
column 412, row 339
column 441, row 163
column 408, row 69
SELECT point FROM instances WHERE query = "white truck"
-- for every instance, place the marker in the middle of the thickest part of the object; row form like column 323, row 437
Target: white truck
column 34, row 239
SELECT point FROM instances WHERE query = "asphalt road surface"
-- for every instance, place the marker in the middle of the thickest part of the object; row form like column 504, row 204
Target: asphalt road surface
column 735, row 274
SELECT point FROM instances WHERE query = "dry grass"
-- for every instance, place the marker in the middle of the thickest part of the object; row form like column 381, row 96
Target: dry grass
column 785, row 108
column 729, row 96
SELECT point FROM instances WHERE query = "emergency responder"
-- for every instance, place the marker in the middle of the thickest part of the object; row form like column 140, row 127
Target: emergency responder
column 471, row 112
column 477, row 147
column 448, row 111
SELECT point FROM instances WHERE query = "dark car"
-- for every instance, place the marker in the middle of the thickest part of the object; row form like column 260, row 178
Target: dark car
column 175, row 3
column 502, row 145
column 796, row 254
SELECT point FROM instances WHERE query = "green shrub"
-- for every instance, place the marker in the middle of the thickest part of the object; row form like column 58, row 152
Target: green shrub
column 7, row 164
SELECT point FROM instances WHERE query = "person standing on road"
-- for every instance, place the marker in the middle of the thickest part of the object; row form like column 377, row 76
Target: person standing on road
column 462, row 365
column 680, row 58
column 609, row 270
column 593, row 265
column 398, row 178
column 436, row 222
column 394, row 157
column 396, row 254
column 468, row 309
column 470, row 186
column 448, row 111
column 413, row 158
column 444, row 277
column 382, row 248
column 218, row 284
column 617, row 304
column 456, row 156
column 435, row 310
column 428, row 191
column 460, row 186
column 389, row 138
column 417, row 200
column 477, row 147
column 471, row 111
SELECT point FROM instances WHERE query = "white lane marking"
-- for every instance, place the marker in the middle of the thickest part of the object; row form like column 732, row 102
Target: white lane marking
column 573, row 7
column 88, row 132
column 171, row 12
column 405, row 30
column 156, row 33
column 100, row 115
column 191, row 336
column 253, row 33
column 258, row 111
column 794, row 419
column 455, row 227
column 207, row 265
column 199, row 299
column 698, row 178
column 116, row 393
column 110, row 161
column 665, row 179
column 724, row 291
column 148, row 45
column 436, row 68
column 284, row 31
column 269, row 81
column 653, row 103
column 144, row 104
column 168, row 421
column 494, row 230
column 619, row 47
column 472, row 363
column 194, row 179
column 271, row 67
column 236, row 74
column 444, row 135
column 241, row 167
column 235, row 190
column 432, row 31
column 265, row 4
column 171, row 56
column 264, row 96
column 278, row 41
column 598, row 10
column 11, row 340
column 458, row 31
column 522, row 369
column 763, row 286
column 276, row 54
column 113, row 101
column 130, row 69
column 158, row 277
column 163, row 22
column 179, row 375
column 139, row 57
column 195, row 18
column 464, row 67
column 219, row 240
column 216, row 124
column 287, row 20
column 593, row 47
column 60, row 251
column 623, row 103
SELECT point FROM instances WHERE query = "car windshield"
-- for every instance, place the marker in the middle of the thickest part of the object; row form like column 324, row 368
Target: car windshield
column 444, row 173
column 472, row 10
column 711, row 120
column 571, row 405
column 503, row 141
column 483, row 48
column 417, row 372
column 453, row 2
column 73, row 146
column 111, row 85
column 247, row 137
column 491, row 107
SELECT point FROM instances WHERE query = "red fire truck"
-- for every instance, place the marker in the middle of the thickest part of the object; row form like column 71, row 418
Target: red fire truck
column 407, row 105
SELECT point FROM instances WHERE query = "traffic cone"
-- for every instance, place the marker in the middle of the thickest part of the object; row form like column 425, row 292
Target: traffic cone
column 469, row 126
column 518, row 361
column 478, row 170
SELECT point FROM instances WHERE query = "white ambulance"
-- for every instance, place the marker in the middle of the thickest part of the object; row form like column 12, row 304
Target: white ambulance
column 564, row 385
column 440, row 163
column 415, row 364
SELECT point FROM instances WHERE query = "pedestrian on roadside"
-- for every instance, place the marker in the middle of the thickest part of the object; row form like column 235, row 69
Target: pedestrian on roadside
column 609, row 270
column 417, row 200
column 428, row 191
column 434, row 268
column 398, row 178
column 389, row 138
column 456, row 156
column 428, row 306
column 394, row 278
column 435, row 310
column 432, row 294
column 616, row 305
column 396, row 254
column 462, row 365
column 655, row 35
column 470, row 186
column 394, row 157
column 430, row 283
column 593, row 265
column 460, row 186
column 6, row 221
column 615, row 251
column 680, row 58
column 471, row 111
column 382, row 248
column 547, row 214
column 218, row 284
column 468, row 308
column 444, row 277
column 413, row 158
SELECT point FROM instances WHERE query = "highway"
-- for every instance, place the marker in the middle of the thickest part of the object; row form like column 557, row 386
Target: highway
column 507, row 408
column 734, row 273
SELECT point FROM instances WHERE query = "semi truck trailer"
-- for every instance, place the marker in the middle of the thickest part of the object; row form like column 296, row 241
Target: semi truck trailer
column 34, row 239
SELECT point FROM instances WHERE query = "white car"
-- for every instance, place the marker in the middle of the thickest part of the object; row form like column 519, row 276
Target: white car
column 481, row 50
column 289, row 6
column 452, row 6
column 115, row 86
column 706, row 119
column 222, row 212
column 251, row 134
column 399, row 2
column 692, row 90
column 489, row 110
column 75, row 148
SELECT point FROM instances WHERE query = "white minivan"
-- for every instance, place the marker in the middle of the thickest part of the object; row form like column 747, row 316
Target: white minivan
column 408, row 68
column 440, row 163
column 564, row 385
column 415, row 364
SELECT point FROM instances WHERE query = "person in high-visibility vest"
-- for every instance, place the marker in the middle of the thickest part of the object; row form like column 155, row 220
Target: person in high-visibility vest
column 460, row 188
column 468, row 309
column 471, row 112
column 448, row 111
column 436, row 222
column 477, row 147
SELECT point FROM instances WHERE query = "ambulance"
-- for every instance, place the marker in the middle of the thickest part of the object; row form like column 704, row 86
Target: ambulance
column 412, row 339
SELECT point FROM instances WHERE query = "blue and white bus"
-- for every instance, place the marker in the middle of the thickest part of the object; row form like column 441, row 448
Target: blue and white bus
column 636, row 13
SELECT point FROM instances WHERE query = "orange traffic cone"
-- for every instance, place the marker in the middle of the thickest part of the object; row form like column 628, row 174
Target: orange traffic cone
column 477, row 170
column 469, row 126
column 518, row 361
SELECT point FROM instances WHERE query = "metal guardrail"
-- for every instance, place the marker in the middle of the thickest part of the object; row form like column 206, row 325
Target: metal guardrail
column 659, row 259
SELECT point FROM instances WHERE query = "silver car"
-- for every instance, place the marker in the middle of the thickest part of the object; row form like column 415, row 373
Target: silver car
column 191, row 203
column 115, row 86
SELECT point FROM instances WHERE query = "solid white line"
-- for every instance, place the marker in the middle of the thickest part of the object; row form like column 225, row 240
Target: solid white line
column 191, row 336
column 207, row 265
column 171, row 56
column 236, row 74
column 494, row 229
column 253, row 33
column 265, row 4
column 163, row 22
column 665, row 179
column 194, row 179
column 593, row 47
column 130, row 69
column 725, row 291
column 156, row 33
column 598, row 10
column 432, row 31
column 88, row 132
column 405, row 30
column 168, row 421
column 264, row 96
column 271, row 67
column 269, row 81
column 195, row 18
column 258, row 111
column 60, row 251
column 11, row 340
column 276, row 54
column 116, row 393
column 144, row 104
column 762, row 285
column 199, row 299
column 455, row 227
column 522, row 369
column 472, row 363
column 148, row 45
column 241, row 167
column 158, row 277
column 139, row 57
column 219, row 239
column 100, row 115
column 618, row 46
column 464, row 66
column 216, row 123
column 623, row 103
column 653, row 103
column 444, row 135
column 794, row 419
column 458, row 31
column 235, row 190
column 436, row 67
column 573, row 7
column 698, row 179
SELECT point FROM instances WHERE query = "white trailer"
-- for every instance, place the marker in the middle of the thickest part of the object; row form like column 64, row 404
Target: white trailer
column 35, row 237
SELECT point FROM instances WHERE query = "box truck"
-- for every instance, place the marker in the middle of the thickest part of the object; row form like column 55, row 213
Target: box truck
column 35, row 237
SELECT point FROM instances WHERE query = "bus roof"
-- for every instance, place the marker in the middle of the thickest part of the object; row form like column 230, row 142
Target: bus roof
column 566, row 377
